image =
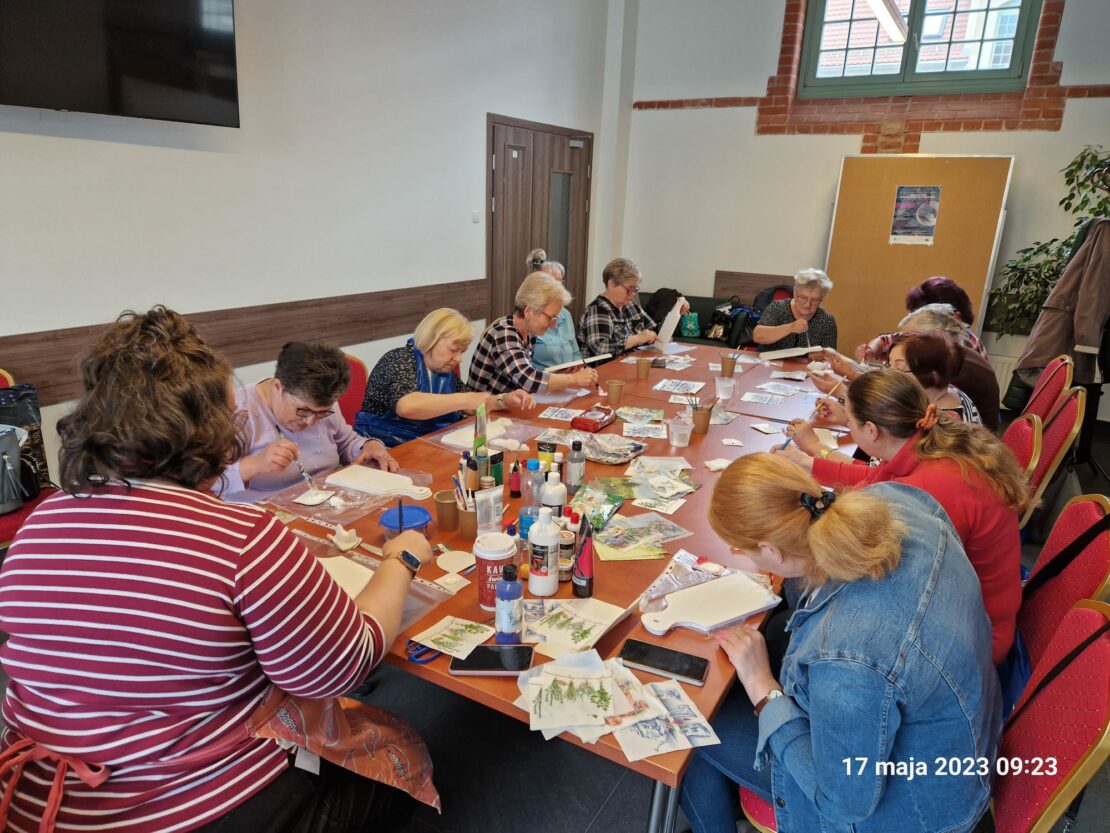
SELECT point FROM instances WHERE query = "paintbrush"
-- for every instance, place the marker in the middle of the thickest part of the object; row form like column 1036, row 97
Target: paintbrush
column 813, row 414
column 304, row 472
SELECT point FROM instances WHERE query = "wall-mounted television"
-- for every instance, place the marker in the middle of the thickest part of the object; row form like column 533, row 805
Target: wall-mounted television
column 151, row 59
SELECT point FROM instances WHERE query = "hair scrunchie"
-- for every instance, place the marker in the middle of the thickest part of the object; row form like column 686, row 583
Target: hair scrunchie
column 929, row 419
column 817, row 506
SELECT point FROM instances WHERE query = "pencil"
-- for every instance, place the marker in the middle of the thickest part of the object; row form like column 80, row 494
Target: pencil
column 785, row 444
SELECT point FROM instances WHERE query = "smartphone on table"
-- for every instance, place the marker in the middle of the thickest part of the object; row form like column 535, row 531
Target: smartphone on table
column 655, row 659
column 493, row 661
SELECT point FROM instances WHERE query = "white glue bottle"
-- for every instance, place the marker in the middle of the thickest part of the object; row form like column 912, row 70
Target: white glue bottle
column 554, row 495
column 543, row 553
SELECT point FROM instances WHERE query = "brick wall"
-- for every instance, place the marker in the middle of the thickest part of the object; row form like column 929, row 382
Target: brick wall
column 894, row 124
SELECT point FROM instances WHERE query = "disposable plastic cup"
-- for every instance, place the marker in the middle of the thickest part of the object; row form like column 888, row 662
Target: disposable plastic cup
column 726, row 385
column 679, row 430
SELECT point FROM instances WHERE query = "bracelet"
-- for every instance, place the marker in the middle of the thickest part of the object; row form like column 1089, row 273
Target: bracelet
column 824, row 453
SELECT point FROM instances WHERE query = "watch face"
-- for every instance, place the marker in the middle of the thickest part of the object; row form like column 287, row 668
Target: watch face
column 410, row 560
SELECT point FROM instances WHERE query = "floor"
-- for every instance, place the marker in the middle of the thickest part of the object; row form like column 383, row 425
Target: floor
column 495, row 775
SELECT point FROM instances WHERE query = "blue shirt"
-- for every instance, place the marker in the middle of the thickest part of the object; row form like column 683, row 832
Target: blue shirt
column 897, row 672
column 558, row 346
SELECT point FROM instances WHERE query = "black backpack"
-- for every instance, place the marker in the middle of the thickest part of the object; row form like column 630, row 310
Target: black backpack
column 767, row 295
column 662, row 302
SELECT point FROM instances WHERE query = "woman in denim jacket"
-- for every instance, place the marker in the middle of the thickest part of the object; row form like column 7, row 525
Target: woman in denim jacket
column 888, row 676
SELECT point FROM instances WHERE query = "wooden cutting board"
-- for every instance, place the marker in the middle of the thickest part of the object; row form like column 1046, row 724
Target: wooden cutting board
column 712, row 605
column 377, row 482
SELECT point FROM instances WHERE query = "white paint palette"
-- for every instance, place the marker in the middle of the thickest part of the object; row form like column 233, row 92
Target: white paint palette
column 455, row 561
column 313, row 497
column 712, row 605
column 377, row 482
column 464, row 437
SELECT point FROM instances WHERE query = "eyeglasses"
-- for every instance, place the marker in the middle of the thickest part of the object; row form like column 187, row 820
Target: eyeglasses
column 808, row 300
column 306, row 413
column 631, row 290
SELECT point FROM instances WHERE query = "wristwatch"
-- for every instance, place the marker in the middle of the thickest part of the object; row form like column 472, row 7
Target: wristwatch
column 773, row 694
column 408, row 559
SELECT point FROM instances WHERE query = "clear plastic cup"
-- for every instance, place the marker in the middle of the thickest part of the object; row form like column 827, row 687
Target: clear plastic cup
column 679, row 431
column 726, row 385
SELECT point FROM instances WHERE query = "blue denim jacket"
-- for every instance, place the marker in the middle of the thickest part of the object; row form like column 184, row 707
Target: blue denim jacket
column 894, row 672
column 559, row 345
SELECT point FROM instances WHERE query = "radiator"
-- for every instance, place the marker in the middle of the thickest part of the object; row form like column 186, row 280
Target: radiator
column 1003, row 370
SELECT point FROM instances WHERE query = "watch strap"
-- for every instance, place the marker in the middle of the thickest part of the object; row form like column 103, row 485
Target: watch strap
column 773, row 694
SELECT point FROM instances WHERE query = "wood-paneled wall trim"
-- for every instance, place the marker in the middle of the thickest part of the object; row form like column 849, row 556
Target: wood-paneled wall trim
column 247, row 335
column 745, row 285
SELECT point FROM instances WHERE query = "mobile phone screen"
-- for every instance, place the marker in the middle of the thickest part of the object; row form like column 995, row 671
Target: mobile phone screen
column 494, row 659
column 665, row 661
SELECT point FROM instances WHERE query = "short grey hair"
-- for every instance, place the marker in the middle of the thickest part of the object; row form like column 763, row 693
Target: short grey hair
column 540, row 289
column 936, row 318
column 553, row 268
column 813, row 277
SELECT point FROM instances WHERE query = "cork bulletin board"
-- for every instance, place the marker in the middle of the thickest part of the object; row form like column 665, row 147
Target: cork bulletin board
column 903, row 218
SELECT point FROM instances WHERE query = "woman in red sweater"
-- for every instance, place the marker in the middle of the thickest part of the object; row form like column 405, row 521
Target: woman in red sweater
column 969, row 471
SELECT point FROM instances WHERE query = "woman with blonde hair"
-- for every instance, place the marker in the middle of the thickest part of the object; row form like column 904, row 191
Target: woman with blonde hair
column 970, row 472
column 504, row 358
column 889, row 663
column 415, row 389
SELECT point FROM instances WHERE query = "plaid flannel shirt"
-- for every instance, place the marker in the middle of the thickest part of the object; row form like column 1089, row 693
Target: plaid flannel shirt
column 604, row 328
column 503, row 361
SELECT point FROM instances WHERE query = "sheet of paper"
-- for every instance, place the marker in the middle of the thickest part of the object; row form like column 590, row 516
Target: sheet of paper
column 684, row 714
column 667, row 328
column 631, row 704
column 762, row 398
column 720, row 464
column 455, row 637
column 559, row 700
column 647, row 432
column 714, row 367
column 464, row 437
column 666, row 486
column 651, row 737
column 644, row 553
column 562, row 397
column 678, row 386
column 779, row 389
column 721, row 416
column 767, row 428
column 560, row 414
column 577, row 624
column 629, row 414
column 667, row 507
column 624, row 532
column 647, row 466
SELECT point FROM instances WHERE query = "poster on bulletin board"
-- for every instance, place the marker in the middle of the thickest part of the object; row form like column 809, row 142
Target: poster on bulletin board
column 916, row 208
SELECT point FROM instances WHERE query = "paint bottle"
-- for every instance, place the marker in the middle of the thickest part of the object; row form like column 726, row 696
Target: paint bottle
column 543, row 551
column 509, row 608
column 537, row 478
column 554, row 495
column 582, row 575
column 575, row 468
column 557, row 463
column 514, row 480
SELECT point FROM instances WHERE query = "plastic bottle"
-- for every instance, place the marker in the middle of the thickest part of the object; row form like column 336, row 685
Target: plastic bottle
column 514, row 480
column 582, row 574
column 509, row 607
column 557, row 463
column 536, row 476
column 575, row 468
column 554, row 495
column 529, row 497
column 543, row 549
column 511, row 531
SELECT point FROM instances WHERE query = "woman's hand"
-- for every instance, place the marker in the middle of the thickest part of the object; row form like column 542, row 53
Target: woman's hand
column 830, row 411
column 799, row 326
column 374, row 451
column 518, row 400
column 409, row 540
column 841, row 364
column 685, row 308
column 795, row 455
column 747, row 651
column 642, row 337
column 270, row 459
column 826, row 383
column 584, row 378
column 804, row 436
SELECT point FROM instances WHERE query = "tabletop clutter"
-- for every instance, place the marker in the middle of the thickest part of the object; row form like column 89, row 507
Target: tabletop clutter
column 563, row 525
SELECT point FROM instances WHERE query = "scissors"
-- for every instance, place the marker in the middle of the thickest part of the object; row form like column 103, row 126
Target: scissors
column 421, row 654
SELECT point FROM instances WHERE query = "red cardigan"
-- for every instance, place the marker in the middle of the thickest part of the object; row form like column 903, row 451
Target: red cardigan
column 987, row 529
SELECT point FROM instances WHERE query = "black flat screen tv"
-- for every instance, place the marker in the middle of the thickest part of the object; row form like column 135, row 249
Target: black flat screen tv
column 151, row 59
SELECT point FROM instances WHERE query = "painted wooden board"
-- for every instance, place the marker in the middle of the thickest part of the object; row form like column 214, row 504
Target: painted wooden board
column 712, row 605
column 348, row 574
column 377, row 482
column 464, row 437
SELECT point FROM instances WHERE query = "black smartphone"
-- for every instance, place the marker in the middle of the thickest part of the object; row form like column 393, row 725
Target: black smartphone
column 493, row 660
column 660, row 362
column 665, row 662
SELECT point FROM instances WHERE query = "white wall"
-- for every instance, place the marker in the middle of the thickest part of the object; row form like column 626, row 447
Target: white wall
column 359, row 163
column 360, row 160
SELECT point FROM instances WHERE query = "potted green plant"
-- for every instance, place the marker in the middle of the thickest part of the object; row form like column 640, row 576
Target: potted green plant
column 1029, row 278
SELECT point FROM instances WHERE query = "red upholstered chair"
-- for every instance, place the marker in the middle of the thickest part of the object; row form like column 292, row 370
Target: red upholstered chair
column 1054, row 380
column 759, row 813
column 1061, row 427
column 351, row 401
column 1069, row 722
column 1087, row 577
column 6, row 380
column 1024, row 437
column 781, row 295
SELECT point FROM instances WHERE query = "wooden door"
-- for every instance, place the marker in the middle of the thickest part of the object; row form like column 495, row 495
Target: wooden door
column 539, row 183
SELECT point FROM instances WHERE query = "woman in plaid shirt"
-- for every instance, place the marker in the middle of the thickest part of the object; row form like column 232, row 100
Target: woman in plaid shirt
column 614, row 322
column 503, row 358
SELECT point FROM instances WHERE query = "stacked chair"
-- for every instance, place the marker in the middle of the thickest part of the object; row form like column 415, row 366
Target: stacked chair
column 350, row 403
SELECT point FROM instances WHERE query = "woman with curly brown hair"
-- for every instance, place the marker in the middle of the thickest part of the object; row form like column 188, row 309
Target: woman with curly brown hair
column 156, row 631
column 966, row 468
column 889, row 662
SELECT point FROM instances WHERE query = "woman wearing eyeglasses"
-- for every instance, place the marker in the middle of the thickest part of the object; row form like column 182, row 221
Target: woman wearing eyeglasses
column 799, row 322
column 293, row 416
column 614, row 321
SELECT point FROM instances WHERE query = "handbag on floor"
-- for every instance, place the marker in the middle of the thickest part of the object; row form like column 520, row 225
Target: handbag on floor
column 19, row 406
column 11, row 494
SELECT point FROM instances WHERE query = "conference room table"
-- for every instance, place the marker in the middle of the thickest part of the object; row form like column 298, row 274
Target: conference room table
column 617, row 582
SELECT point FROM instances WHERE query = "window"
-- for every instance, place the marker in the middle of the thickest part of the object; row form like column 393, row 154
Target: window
column 953, row 46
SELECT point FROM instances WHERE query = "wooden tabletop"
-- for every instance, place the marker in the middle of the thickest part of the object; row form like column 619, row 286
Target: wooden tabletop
column 617, row 582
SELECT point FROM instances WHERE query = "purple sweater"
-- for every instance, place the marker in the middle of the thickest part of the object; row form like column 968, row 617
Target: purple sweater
column 324, row 445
